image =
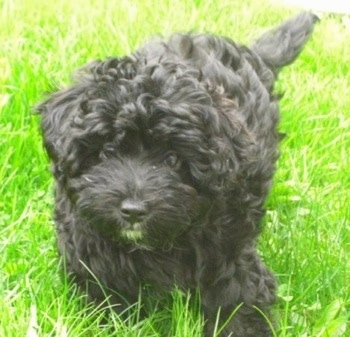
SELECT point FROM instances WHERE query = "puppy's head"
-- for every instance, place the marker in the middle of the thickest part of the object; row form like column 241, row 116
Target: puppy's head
column 142, row 151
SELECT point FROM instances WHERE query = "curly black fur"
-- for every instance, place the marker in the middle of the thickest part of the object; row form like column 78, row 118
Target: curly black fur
column 163, row 160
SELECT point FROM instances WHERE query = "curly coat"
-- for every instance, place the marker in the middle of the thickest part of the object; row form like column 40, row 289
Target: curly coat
column 163, row 161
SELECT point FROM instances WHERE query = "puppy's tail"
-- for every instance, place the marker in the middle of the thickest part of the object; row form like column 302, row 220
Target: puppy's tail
column 280, row 46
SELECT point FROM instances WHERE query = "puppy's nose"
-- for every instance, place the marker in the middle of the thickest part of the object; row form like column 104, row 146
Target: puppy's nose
column 133, row 210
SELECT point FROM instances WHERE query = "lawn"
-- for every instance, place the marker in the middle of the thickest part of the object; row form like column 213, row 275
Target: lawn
column 306, row 240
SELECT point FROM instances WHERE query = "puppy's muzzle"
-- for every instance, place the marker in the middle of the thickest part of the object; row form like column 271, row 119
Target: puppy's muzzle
column 133, row 211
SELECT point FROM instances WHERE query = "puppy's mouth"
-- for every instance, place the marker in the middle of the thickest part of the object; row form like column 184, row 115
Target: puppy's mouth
column 132, row 232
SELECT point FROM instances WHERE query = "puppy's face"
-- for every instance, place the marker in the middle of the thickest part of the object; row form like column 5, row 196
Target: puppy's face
column 138, row 190
column 141, row 156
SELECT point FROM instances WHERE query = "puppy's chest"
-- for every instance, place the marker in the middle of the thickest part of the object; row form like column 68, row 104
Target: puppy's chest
column 164, row 270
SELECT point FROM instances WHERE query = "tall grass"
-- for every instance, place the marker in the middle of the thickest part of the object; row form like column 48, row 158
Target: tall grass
column 307, row 232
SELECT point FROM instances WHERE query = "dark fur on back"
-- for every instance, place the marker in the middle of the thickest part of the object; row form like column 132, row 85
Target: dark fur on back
column 163, row 161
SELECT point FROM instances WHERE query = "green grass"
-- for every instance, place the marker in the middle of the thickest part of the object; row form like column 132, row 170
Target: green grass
column 307, row 234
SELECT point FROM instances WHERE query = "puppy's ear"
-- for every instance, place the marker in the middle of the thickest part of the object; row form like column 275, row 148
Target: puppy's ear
column 75, row 121
column 59, row 114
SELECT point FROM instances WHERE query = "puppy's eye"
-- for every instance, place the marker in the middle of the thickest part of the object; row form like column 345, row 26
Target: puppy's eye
column 107, row 152
column 172, row 160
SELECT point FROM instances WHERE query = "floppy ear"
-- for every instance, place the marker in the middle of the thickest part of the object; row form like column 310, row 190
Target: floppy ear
column 60, row 116
column 57, row 113
column 73, row 119
column 57, row 116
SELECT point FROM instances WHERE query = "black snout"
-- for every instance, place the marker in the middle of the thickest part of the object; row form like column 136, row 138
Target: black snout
column 133, row 211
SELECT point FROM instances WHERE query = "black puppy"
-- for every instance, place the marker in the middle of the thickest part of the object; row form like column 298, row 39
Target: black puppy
column 163, row 161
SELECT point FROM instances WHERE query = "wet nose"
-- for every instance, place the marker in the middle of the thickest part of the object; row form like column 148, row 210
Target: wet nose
column 133, row 210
